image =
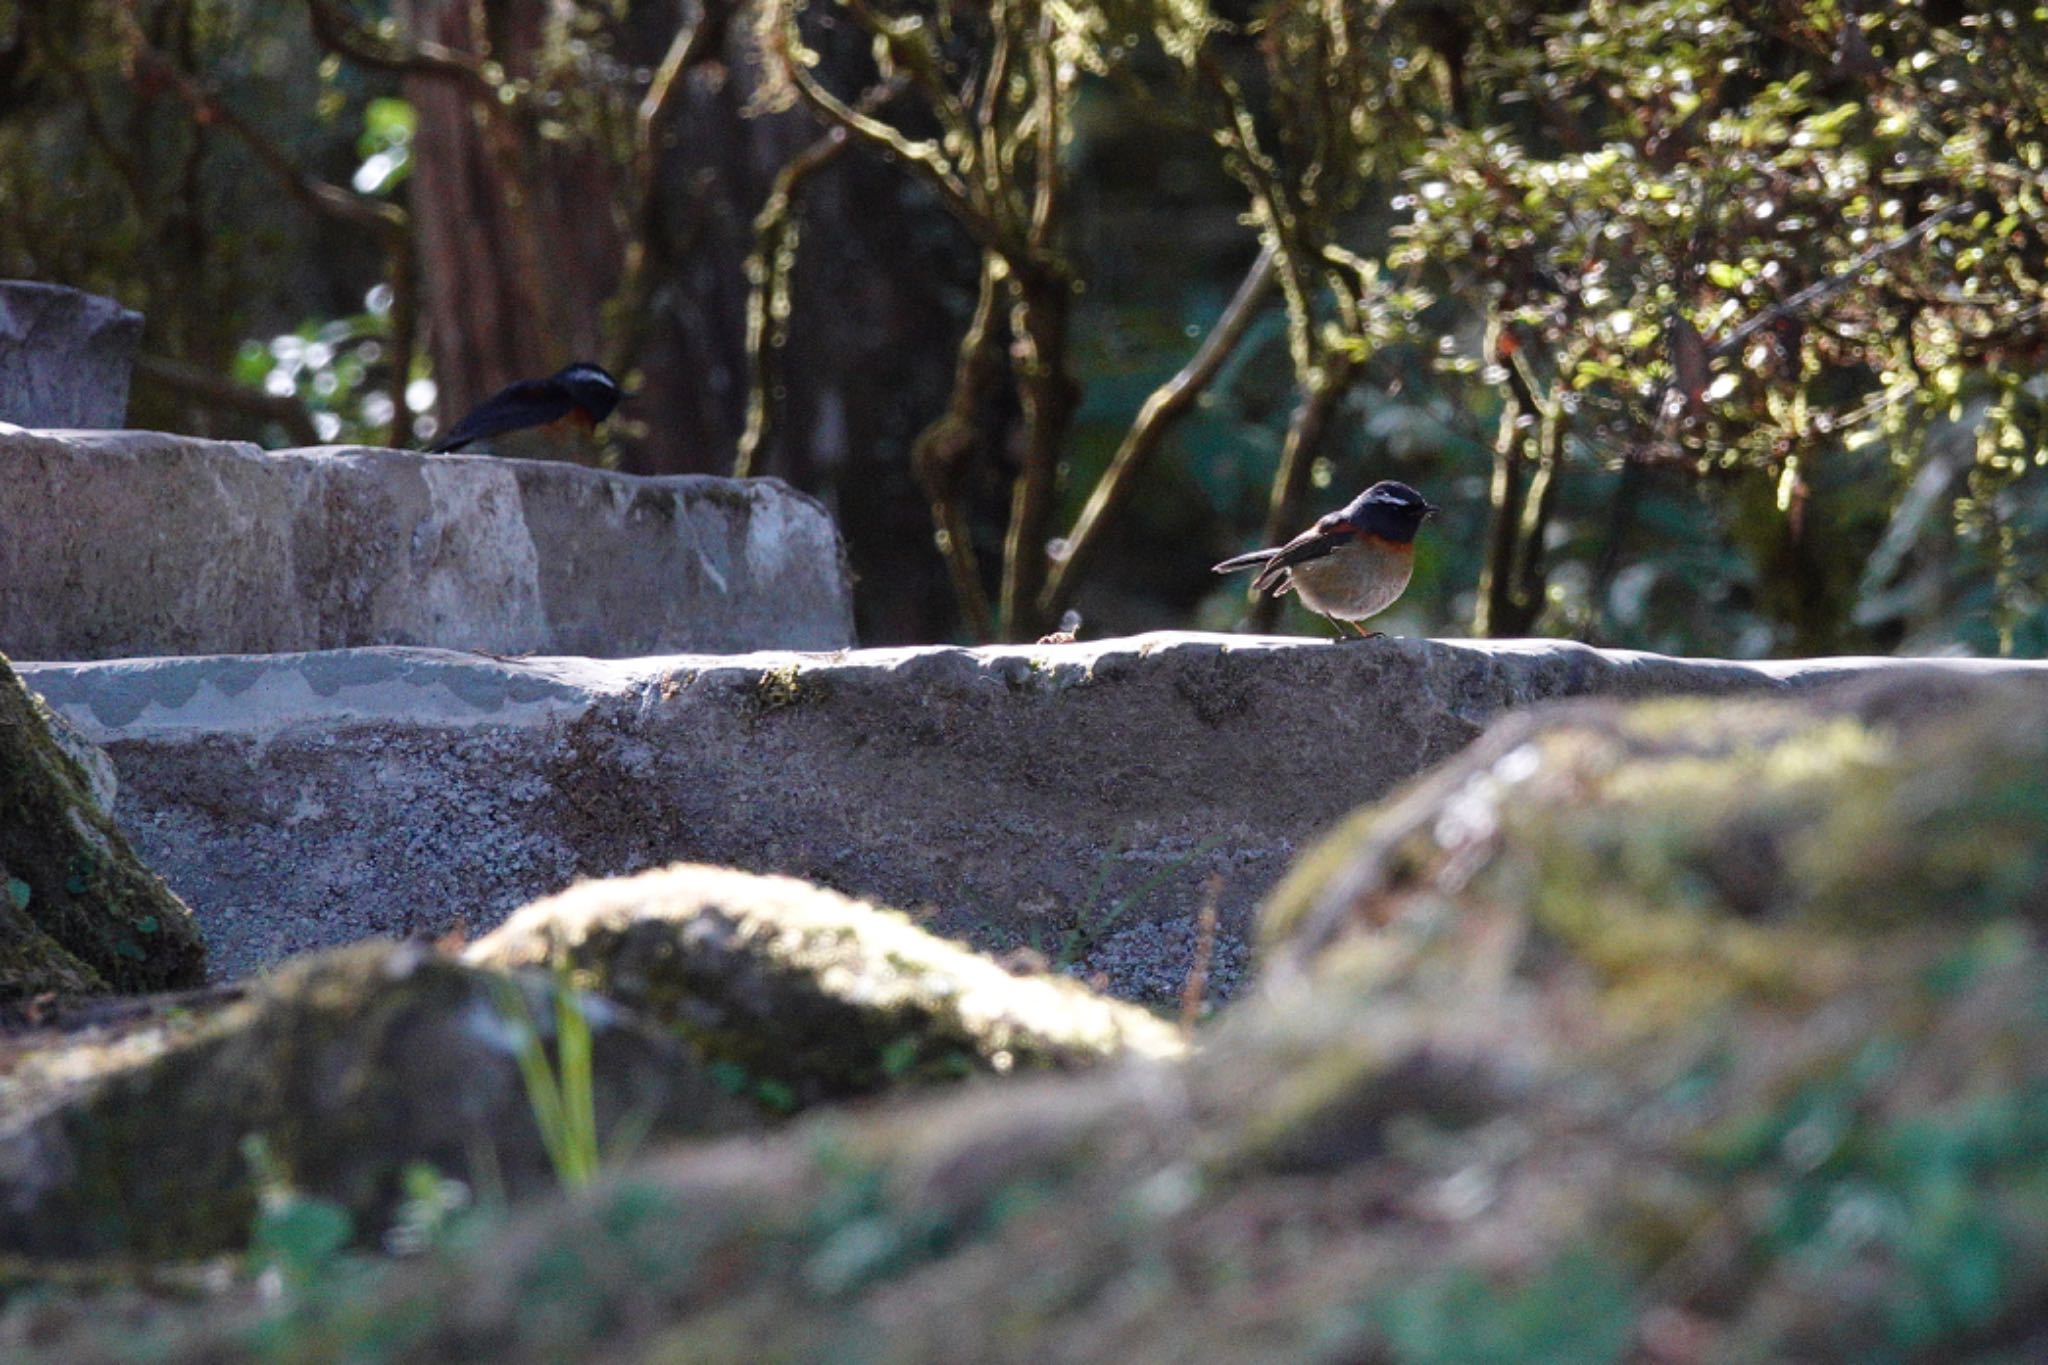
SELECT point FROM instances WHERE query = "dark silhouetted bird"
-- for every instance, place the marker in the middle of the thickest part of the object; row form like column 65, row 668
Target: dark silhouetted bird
column 1353, row 563
column 539, row 418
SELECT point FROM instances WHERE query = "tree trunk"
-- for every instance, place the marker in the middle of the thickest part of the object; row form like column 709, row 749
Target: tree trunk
column 517, row 245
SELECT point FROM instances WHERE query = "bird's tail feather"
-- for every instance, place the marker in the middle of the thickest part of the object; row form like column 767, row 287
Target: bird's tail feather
column 1244, row 561
column 1274, row 580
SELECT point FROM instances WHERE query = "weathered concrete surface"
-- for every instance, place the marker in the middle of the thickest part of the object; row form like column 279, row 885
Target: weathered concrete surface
column 128, row 544
column 64, row 356
column 1075, row 798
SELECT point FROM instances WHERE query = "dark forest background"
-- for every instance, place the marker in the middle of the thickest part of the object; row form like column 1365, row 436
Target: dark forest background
column 1717, row 327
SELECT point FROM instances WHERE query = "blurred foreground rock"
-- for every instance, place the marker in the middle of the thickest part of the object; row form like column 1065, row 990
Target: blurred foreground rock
column 711, row 1001
column 135, row 543
column 1074, row 798
column 1681, row 1032
column 78, row 913
column 808, row 995
column 64, row 357
column 350, row 1066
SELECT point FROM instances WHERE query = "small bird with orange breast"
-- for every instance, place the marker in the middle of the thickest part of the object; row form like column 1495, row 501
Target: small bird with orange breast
column 1351, row 564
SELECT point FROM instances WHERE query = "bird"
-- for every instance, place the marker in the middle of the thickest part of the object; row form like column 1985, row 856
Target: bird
column 546, row 419
column 1353, row 563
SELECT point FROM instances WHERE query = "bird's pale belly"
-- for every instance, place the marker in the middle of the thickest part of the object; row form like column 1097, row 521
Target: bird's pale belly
column 1362, row 579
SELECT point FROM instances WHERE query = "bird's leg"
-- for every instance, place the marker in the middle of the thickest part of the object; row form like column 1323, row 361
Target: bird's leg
column 1363, row 633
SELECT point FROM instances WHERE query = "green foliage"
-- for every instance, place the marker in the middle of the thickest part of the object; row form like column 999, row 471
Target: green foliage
column 331, row 366
column 1580, row 1310
column 112, row 184
column 1674, row 174
column 561, row 1090
column 385, row 145
column 438, row 1214
column 1933, row 1196
column 297, row 1238
column 773, row 1095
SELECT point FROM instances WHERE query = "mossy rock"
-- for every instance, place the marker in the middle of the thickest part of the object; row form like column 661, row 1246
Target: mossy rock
column 1478, row 1110
column 1699, row 845
column 800, row 994
column 32, row 963
column 350, row 1065
column 79, row 913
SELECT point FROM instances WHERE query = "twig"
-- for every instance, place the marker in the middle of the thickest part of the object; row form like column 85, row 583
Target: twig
column 923, row 156
column 418, row 58
column 318, row 195
column 940, row 455
column 1197, row 984
column 1045, row 207
column 1834, row 284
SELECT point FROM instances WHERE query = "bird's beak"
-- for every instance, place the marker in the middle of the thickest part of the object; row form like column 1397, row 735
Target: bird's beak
column 1430, row 509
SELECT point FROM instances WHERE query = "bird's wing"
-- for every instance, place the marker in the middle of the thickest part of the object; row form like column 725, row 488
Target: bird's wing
column 1324, row 538
column 529, row 403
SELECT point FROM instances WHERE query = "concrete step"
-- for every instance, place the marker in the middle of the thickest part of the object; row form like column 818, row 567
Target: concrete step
column 131, row 543
column 1075, row 797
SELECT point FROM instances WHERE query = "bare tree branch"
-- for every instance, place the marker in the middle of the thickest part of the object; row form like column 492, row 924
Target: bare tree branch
column 341, row 33
column 388, row 223
column 943, row 451
column 1305, row 430
column 1161, row 411
column 768, row 267
column 212, row 391
column 924, row 157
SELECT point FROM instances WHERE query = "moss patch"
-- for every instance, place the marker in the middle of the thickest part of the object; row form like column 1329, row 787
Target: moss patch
column 780, row 688
column 350, row 1065
column 803, row 994
column 81, row 913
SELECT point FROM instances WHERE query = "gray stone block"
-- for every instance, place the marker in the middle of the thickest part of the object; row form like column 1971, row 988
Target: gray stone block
column 64, row 356
column 130, row 544
column 1078, row 797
